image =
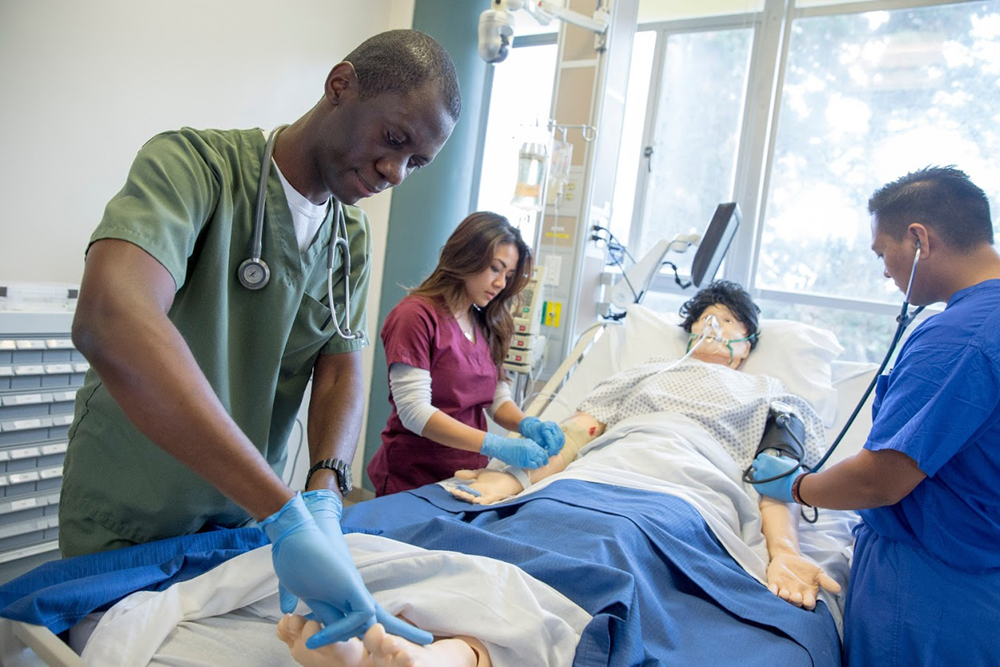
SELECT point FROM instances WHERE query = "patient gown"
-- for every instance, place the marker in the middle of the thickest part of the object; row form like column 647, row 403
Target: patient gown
column 731, row 405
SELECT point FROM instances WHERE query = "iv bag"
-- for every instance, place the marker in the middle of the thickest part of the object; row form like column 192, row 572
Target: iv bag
column 532, row 163
column 562, row 158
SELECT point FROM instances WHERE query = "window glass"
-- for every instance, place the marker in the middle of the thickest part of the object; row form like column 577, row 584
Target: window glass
column 696, row 133
column 867, row 98
column 864, row 336
column 821, row 3
column 630, row 149
column 525, row 24
column 519, row 108
column 668, row 10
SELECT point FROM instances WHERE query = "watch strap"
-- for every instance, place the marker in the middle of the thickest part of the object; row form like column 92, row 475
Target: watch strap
column 343, row 469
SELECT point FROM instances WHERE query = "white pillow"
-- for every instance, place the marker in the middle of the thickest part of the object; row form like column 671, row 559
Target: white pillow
column 851, row 379
column 800, row 355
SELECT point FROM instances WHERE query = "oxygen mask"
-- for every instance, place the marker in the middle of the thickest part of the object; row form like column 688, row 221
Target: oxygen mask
column 714, row 342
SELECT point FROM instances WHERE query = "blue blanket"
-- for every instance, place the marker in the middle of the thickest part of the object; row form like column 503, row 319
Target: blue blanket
column 60, row 593
column 660, row 586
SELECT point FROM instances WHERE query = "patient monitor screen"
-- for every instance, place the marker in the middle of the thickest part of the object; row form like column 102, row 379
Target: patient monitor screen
column 715, row 243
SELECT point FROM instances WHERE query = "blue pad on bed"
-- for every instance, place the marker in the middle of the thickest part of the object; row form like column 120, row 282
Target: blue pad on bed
column 60, row 593
column 660, row 586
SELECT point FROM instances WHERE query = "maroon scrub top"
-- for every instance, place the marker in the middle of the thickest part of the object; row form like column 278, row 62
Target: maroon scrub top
column 423, row 334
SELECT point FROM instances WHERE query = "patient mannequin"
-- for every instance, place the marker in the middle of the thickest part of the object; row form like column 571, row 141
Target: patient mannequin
column 379, row 649
column 728, row 310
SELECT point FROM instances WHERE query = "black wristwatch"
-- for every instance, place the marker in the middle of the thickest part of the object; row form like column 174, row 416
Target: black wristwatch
column 345, row 480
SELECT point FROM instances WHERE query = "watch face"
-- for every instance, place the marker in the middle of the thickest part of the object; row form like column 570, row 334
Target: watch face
column 345, row 479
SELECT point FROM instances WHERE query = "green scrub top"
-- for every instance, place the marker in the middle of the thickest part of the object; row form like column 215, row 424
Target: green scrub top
column 189, row 202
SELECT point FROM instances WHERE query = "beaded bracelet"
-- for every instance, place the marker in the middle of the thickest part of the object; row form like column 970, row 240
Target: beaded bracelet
column 795, row 489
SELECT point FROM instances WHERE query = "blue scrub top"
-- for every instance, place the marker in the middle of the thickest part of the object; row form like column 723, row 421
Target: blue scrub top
column 940, row 405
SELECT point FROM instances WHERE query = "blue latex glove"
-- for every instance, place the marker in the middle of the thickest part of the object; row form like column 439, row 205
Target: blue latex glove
column 766, row 466
column 547, row 434
column 318, row 569
column 326, row 508
column 520, row 452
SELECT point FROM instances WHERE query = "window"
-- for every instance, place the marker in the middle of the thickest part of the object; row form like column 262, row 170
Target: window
column 689, row 158
column 867, row 98
column 801, row 131
column 520, row 102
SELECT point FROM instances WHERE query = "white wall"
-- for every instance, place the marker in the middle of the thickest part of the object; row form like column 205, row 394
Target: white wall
column 85, row 84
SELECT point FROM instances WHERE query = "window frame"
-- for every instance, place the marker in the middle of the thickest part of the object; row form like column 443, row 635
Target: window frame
column 772, row 28
column 755, row 157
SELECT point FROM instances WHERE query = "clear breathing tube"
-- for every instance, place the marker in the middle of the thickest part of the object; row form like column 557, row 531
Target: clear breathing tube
column 712, row 330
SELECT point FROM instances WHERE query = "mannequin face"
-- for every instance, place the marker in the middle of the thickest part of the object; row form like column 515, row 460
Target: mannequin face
column 718, row 321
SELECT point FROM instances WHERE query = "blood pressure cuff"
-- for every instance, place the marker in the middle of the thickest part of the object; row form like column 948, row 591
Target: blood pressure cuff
column 780, row 433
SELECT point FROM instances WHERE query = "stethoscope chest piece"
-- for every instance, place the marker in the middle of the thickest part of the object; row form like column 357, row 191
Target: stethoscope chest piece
column 253, row 273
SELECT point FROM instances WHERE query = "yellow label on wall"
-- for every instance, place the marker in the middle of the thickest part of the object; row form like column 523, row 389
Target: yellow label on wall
column 551, row 313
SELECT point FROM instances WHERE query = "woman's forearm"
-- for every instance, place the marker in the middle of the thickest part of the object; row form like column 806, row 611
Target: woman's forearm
column 509, row 416
column 450, row 432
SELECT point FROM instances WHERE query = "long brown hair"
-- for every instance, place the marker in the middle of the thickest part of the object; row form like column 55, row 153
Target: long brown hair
column 469, row 251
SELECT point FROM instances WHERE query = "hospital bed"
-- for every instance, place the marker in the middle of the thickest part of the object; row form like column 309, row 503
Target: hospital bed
column 605, row 563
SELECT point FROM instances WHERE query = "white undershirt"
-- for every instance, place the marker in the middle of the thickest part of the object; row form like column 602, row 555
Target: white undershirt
column 307, row 217
column 411, row 391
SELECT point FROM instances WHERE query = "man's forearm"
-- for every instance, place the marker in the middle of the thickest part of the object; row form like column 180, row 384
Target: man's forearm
column 336, row 409
column 866, row 480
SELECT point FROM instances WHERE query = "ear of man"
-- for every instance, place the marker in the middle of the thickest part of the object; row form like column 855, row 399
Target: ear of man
column 341, row 82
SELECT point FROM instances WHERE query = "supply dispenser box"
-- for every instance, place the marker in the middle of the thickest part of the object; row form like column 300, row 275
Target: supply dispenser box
column 40, row 373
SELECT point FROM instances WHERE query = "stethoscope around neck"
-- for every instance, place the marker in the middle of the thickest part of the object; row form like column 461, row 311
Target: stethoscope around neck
column 254, row 272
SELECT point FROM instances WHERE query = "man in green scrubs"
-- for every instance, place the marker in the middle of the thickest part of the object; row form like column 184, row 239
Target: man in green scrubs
column 195, row 380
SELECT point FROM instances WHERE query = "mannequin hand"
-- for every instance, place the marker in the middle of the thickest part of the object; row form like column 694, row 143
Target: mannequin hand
column 325, row 508
column 492, row 485
column 797, row 579
column 766, row 466
column 547, row 434
column 520, row 452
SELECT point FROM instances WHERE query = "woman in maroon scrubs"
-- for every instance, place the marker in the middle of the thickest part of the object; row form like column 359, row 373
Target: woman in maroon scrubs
column 445, row 344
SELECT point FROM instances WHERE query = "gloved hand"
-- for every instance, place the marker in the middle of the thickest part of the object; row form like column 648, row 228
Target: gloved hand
column 520, row 452
column 766, row 466
column 326, row 508
column 547, row 434
column 312, row 565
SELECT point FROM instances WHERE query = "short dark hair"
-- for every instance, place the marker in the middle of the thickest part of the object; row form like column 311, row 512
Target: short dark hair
column 725, row 293
column 940, row 197
column 400, row 61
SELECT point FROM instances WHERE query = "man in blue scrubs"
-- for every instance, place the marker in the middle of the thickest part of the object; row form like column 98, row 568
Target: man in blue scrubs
column 925, row 582
column 196, row 380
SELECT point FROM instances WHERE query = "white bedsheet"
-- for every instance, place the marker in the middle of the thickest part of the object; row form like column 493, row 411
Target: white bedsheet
column 520, row 620
column 668, row 453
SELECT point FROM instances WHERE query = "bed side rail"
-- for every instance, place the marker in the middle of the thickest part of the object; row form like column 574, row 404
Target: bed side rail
column 27, row 645
column 543, row 398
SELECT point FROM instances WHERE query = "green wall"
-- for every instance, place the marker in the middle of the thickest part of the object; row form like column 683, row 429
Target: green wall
column 430, row 203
